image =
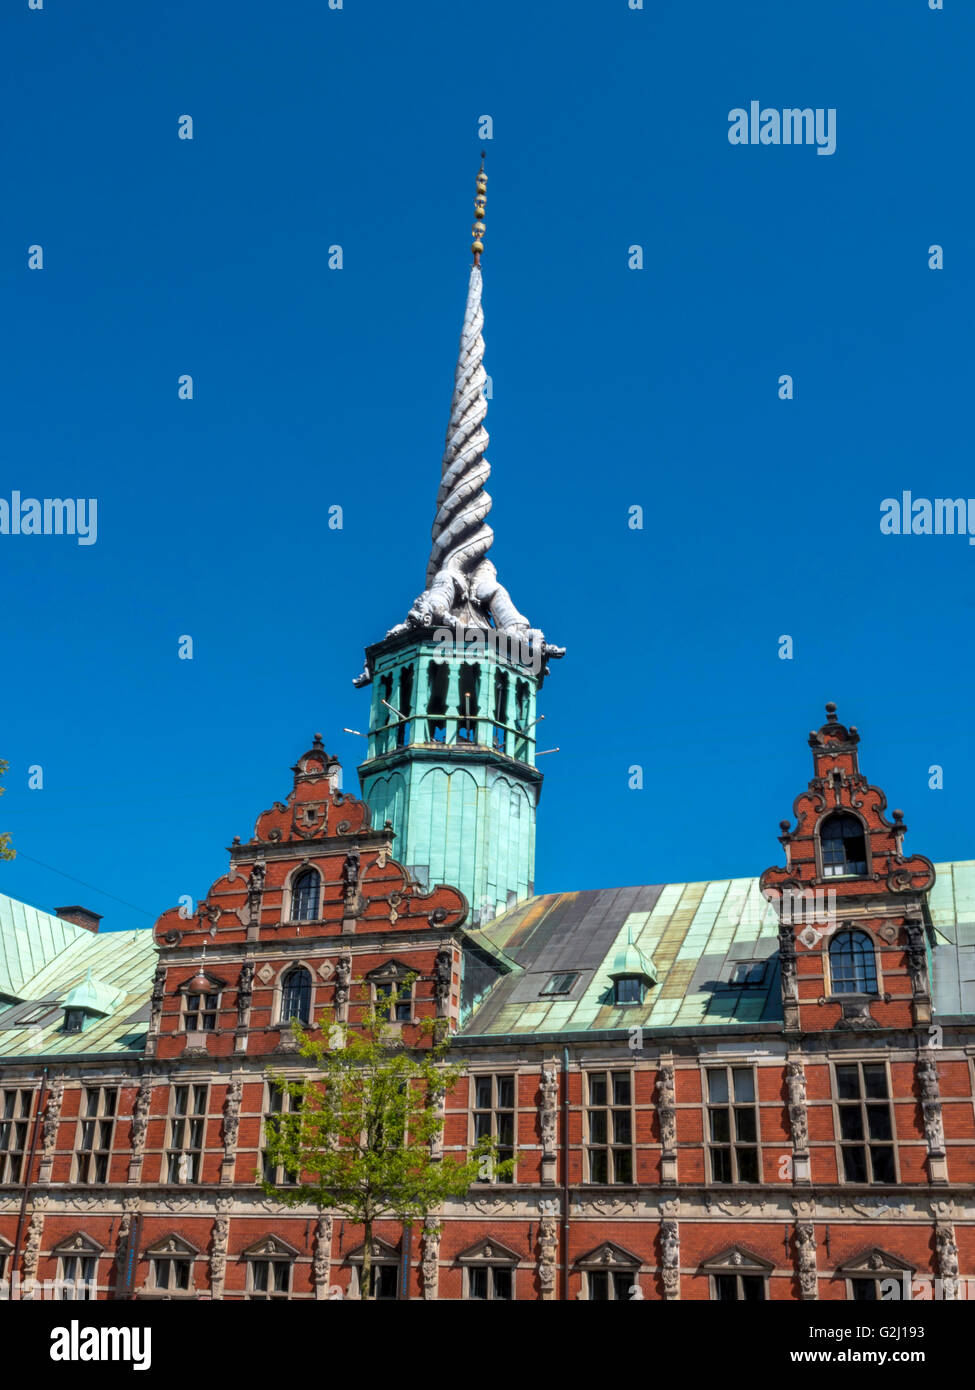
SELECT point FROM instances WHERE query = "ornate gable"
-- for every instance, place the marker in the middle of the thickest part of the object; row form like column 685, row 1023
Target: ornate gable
column 609, row 1255
column 174, row 1245
column 488, row 1251
column 270, row 1247
column 737, row 1260
column 80, row 1243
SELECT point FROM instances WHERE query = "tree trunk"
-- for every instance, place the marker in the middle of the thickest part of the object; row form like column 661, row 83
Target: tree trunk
column 366, row 1289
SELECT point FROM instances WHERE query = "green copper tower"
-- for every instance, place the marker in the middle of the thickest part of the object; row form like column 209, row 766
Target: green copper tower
column 452, row 728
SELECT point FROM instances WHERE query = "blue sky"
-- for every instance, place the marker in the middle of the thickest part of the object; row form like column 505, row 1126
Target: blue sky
column 612, row 387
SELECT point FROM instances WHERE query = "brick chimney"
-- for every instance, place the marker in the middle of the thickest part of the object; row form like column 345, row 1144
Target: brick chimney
column 80, row 916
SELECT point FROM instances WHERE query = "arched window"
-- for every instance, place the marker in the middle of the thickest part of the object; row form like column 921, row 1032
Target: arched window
column 852, row 963
column 843, row 845
column 305, row 891
column 296, row 995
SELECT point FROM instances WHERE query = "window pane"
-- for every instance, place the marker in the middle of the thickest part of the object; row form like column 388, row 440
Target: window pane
column 855, row 1163
column 506, row 1130
column 720, row 1126
column 502, row 1283
column 622, row 1127
column 477, row 1282
column 621, row 1088
column 721, row 1165
column 598, row 1166
column 753, row 1288
column 875, row 1082
column 851, row 1122
column 182, row 1273
column 506, row 1092
column 482, row 1126
column 864, row 1290
column 597, row 1127
column 882, row 1161
column 726, row 1288
column 745, row 1129
column 599, row 1286
column 482, row 1092
column 282, row 1269
column 878, row 1118
column 848, row 1083
column 621, row 1285
column 260, row 1275
column 623, row 1161
column 744, row 1083
column 747, row 1165
column 717, row 1085
column 597, row 1088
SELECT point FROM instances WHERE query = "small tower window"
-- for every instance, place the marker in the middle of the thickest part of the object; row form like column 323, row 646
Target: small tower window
column 405, row 706
column 521, row 719
column 305, row 892
column 852, row 963
column 385, row 716
column 843, row 845
column 296, row 995
column 438, row 676
column 500, row 710
column 74, row 1020
column 470, row 683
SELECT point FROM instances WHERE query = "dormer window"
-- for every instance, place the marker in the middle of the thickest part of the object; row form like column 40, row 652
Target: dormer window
column 843, row 845
column 74, row 1020
column 629, row 989
column 201, row 1012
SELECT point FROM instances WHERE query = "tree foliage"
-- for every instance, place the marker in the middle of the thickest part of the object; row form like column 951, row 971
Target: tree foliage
column 361, row 1135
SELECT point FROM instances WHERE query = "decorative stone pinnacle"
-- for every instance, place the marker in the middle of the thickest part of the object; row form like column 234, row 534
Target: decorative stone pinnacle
column 462, row 589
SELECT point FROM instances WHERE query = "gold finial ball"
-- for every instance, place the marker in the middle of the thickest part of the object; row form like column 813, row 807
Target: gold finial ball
column 478, row 246
column 478, row 229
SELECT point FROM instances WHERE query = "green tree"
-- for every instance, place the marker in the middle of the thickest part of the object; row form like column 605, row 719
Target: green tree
column 7, row 850
column 361, row 1135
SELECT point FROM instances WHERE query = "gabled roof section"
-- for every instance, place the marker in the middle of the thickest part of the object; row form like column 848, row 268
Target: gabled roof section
column 29, row 938
column 695, row 934
column 109, row 974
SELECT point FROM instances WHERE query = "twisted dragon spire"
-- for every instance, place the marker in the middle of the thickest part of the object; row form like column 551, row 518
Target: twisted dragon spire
column 462, row 586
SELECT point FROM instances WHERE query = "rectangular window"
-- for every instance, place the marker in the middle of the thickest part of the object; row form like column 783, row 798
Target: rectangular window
column 171, row 1274
column 732, row 1125
column 490, row 1282
column 279, row 1105
column 749, row 974
column 866, row 1122
column 400, row 1011
column 738, row 1288
column 385, row 1280
column 610, row 1285
column 270, row 1278
column 76, row 1277
column 560, row 984
column 201, row 1013
column 95, row 1131
column 15, row 1108
column 494, row 1118
column 187, row 1133
column 609, row 1126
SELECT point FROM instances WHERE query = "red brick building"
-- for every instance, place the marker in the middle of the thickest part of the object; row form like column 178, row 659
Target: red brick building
column 710, row 1095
